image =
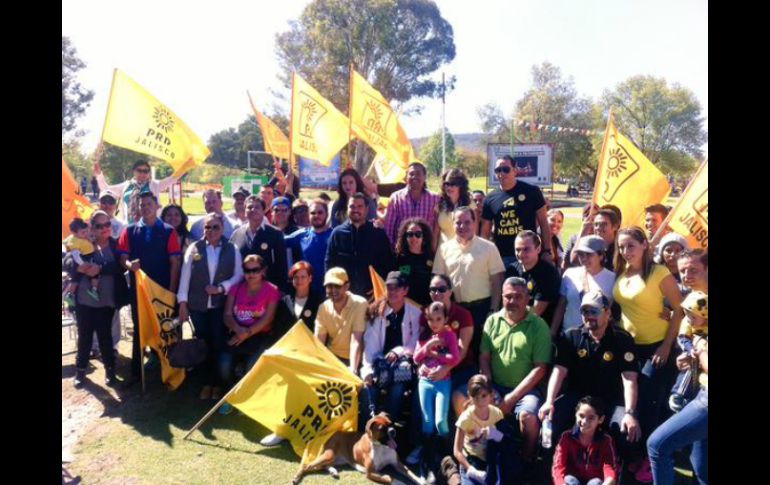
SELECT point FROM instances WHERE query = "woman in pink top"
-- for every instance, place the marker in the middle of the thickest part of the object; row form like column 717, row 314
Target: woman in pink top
column 437, row 346
column 249, row 312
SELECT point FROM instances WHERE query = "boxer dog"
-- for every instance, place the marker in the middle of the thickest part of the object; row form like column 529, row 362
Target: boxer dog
column 369, row 453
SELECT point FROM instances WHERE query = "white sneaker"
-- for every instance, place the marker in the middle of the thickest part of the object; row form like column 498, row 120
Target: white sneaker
column 414, row 456
column 272, row 440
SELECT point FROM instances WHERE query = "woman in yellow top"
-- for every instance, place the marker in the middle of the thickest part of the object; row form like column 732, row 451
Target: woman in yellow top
column 454, row 194
column 640, row 288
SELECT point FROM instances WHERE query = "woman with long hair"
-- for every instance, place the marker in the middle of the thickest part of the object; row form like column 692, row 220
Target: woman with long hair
column 175, row 216
column 640, row 289
column 349, row 183
column 454, row 194
column 414, row 257
column 556, row 223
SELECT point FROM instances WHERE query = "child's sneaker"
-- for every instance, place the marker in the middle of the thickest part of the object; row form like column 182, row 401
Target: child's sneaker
column 93, row 293
column 225, row 409
column 644, row 473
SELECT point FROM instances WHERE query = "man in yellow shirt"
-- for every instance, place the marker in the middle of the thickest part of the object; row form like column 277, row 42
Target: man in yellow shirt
column 341, row 319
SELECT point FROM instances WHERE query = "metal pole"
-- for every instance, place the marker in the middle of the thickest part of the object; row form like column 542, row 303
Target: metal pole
column 443, row 124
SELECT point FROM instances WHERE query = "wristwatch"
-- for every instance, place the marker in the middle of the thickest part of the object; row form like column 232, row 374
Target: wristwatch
column 631, row 412
column 222, row 287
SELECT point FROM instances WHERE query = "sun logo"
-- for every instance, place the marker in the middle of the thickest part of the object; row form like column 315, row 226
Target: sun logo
column 701, row 205
column 620, row 167
column 335, row 399
column 163, row 119
column 617, row 162
column 309, row 109
column 375, row 109
column 374, row 112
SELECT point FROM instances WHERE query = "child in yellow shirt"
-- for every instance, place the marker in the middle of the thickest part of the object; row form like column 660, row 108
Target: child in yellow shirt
column 79, row 247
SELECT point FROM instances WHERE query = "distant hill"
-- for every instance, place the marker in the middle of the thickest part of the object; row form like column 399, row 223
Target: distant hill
column 466, row 141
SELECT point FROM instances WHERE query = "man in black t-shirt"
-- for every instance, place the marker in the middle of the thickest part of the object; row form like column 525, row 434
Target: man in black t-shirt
column 514, row 207
column 543, row 279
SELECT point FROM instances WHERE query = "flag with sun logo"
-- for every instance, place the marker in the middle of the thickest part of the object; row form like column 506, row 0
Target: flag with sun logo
column 137, row 121
column 627, row 179
column 301, row 391
column 155, row 306
column 73, row 202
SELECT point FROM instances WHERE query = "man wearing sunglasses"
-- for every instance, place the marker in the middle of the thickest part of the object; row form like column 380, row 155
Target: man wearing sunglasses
column 141, row 183
column 108, row 202
column 311, row 244
column 514, row 207
column 596, row 359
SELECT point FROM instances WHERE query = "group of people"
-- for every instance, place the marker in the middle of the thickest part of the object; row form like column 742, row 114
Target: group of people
column 489, row 325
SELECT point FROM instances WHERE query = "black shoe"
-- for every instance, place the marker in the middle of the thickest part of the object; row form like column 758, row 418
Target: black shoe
column 112, row 379
column 80, row 379
column 131, row 381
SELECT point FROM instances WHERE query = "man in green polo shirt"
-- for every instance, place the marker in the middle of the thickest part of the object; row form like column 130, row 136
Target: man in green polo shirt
column 515, row 353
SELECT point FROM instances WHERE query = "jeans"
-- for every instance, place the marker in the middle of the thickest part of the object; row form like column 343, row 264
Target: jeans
column 251, row 348
column 688, row 426
column 654, row 387
column 476, row 463
column 479, row 312
column 210, row 326
column 115, row 332
column 90, row 320
column 434, row 403
column 570, row 480
column 394, row 404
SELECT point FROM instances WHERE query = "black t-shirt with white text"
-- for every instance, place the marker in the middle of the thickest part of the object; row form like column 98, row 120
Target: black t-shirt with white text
column 511, row 212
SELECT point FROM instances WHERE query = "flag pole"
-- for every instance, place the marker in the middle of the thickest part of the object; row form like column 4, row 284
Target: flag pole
column 141, row 361
column 659, row 234
column 443, row 124
column 100, row 147
column 291, row 121
column 601, row 155
column 212, row 410
column 350, row 108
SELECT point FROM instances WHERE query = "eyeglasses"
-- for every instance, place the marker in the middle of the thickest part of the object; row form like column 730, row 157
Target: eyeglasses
column 252, row 270
column 300, row 209
column 590, row 312
column 314, row 213
column 417, row 234
column 106, row 225
column 142, row 170
column 451, row 184
column 108, row 201
column 438, row 289
column 502, row 169
column 280, row 209
column 212, row 228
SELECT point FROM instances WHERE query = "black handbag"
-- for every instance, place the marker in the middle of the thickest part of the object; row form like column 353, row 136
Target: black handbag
column 184, row 354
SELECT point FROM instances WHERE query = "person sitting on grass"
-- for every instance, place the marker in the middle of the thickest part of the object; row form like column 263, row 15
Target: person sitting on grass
column 586, row 455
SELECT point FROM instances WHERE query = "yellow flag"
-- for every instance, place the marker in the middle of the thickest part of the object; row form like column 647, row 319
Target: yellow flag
column 137, row 121
column 301, row 391
column 690, row 216
column 378, row 284
column 318, row 129
column 373, row 121
column 73, row 203
column 276, row 142
column 386, row 171
column 156, row 313
column 627, row 179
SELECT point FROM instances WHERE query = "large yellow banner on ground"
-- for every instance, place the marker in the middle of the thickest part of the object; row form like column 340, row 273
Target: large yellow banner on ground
column 373, row 121
column 276, row 142
column 301, row 391
column 318, row 129
column 156, row 313
column 137, row 121
column 627, row 179
column 690, row 216
column 73, row 203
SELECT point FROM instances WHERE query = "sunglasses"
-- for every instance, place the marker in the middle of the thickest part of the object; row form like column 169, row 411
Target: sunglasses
column 417, row 234
column 502, row 169
column 451, row 184
column 590, row 312
column 108, row 201
column 106, row 225
column 212, row 228
column 252, row 270
column 142, row 170
column 438, row 289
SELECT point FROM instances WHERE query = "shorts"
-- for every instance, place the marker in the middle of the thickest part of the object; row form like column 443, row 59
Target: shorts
column 530, row 402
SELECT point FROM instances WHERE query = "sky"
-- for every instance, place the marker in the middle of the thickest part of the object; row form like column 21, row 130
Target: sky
column 200, row 57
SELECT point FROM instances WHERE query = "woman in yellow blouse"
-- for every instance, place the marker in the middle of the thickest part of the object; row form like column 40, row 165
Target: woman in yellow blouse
column 640, row 288
column 454, row 194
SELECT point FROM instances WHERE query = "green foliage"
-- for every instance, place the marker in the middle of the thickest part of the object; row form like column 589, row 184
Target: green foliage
column 78, row 163
column 116, row 163
column 664, row 121
column 230, row 147
column 74, row 98
column 473, row 163
column 430, row 154
column 209, row 173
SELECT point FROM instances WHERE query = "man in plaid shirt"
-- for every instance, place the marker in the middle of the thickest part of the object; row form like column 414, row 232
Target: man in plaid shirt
column 415, row 200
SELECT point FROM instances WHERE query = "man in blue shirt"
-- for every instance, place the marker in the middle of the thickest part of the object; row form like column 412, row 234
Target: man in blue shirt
column 310, row 244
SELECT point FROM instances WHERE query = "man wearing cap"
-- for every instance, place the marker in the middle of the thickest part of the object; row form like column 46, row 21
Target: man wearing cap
column 282, row 216
column 542, row 278
column 341, row 319
column 392, row 335
column 108, row 201
column 310, row 244
column 212, row 202
column 589, row 275
column 476, row 269
column 606, row 224
column 258, row 237
column 238, row 214
column 514, row 355
column 128, row 191
column 356, row 244
column 596, row 359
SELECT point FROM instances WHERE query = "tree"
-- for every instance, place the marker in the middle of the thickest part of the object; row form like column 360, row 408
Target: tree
column 664, row 122
column 430, row 153
column 230, row 147
column 74, row 98
column 473, row 163
column 395, row 44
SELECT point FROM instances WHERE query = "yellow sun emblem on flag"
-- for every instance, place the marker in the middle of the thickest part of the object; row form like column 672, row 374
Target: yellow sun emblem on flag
column 163, row 119
column 617, row 162
column 335, row 399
